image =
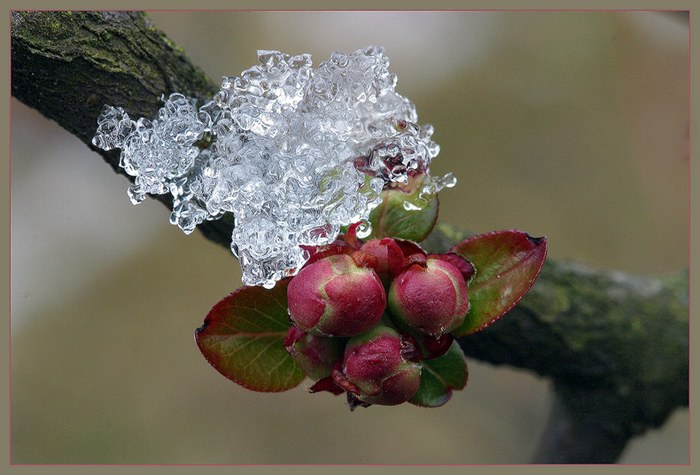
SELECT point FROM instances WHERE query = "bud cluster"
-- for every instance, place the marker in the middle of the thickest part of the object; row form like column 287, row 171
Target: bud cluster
column 365, row 315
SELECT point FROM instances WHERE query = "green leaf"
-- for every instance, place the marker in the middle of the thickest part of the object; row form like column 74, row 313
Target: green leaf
column 440, row 376
column 507, row 264
column 392, row 219
column 243, row 338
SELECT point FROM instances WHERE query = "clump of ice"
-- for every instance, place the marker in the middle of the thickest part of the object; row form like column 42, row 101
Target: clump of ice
column 294, row 152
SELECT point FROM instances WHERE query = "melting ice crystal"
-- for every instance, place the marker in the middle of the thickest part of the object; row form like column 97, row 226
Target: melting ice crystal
column 294, row 152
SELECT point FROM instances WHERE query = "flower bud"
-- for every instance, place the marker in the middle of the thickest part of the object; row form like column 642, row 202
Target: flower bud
column 315, row 355
column 427, row 346
column 387, row 258
column 316, row 253
column 430, row 297
column 336, row 297
column 407, row 211
column 375, row 370
column 463, row 265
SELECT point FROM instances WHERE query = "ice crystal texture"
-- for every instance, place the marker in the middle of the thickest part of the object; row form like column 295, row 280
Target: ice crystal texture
column 294, row 152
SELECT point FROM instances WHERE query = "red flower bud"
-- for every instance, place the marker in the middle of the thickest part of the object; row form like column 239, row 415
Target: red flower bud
column 375, row 370
column 316, row 253
column 463, row 265
column 388, row 258
column 426, row 346
column 336, row 297
column 431, row 297
column 315, row 355
column 409, row 248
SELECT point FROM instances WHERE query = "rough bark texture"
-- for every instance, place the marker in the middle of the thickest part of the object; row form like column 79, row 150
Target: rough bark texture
column 69, row 65
column 614, row 345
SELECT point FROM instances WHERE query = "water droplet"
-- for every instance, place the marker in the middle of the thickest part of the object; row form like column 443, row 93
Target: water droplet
column 447, row 181
column 408, row 206
column 364, row 229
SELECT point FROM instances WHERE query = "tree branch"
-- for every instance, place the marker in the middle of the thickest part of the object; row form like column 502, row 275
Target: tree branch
column 615, row 345
column 69, row 65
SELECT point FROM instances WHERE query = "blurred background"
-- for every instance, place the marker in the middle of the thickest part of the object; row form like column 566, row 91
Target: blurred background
column 570, row 124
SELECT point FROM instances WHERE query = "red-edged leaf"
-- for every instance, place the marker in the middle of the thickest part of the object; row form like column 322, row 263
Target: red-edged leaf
column 243, row 338
column 507, row 264
column 439, row 376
